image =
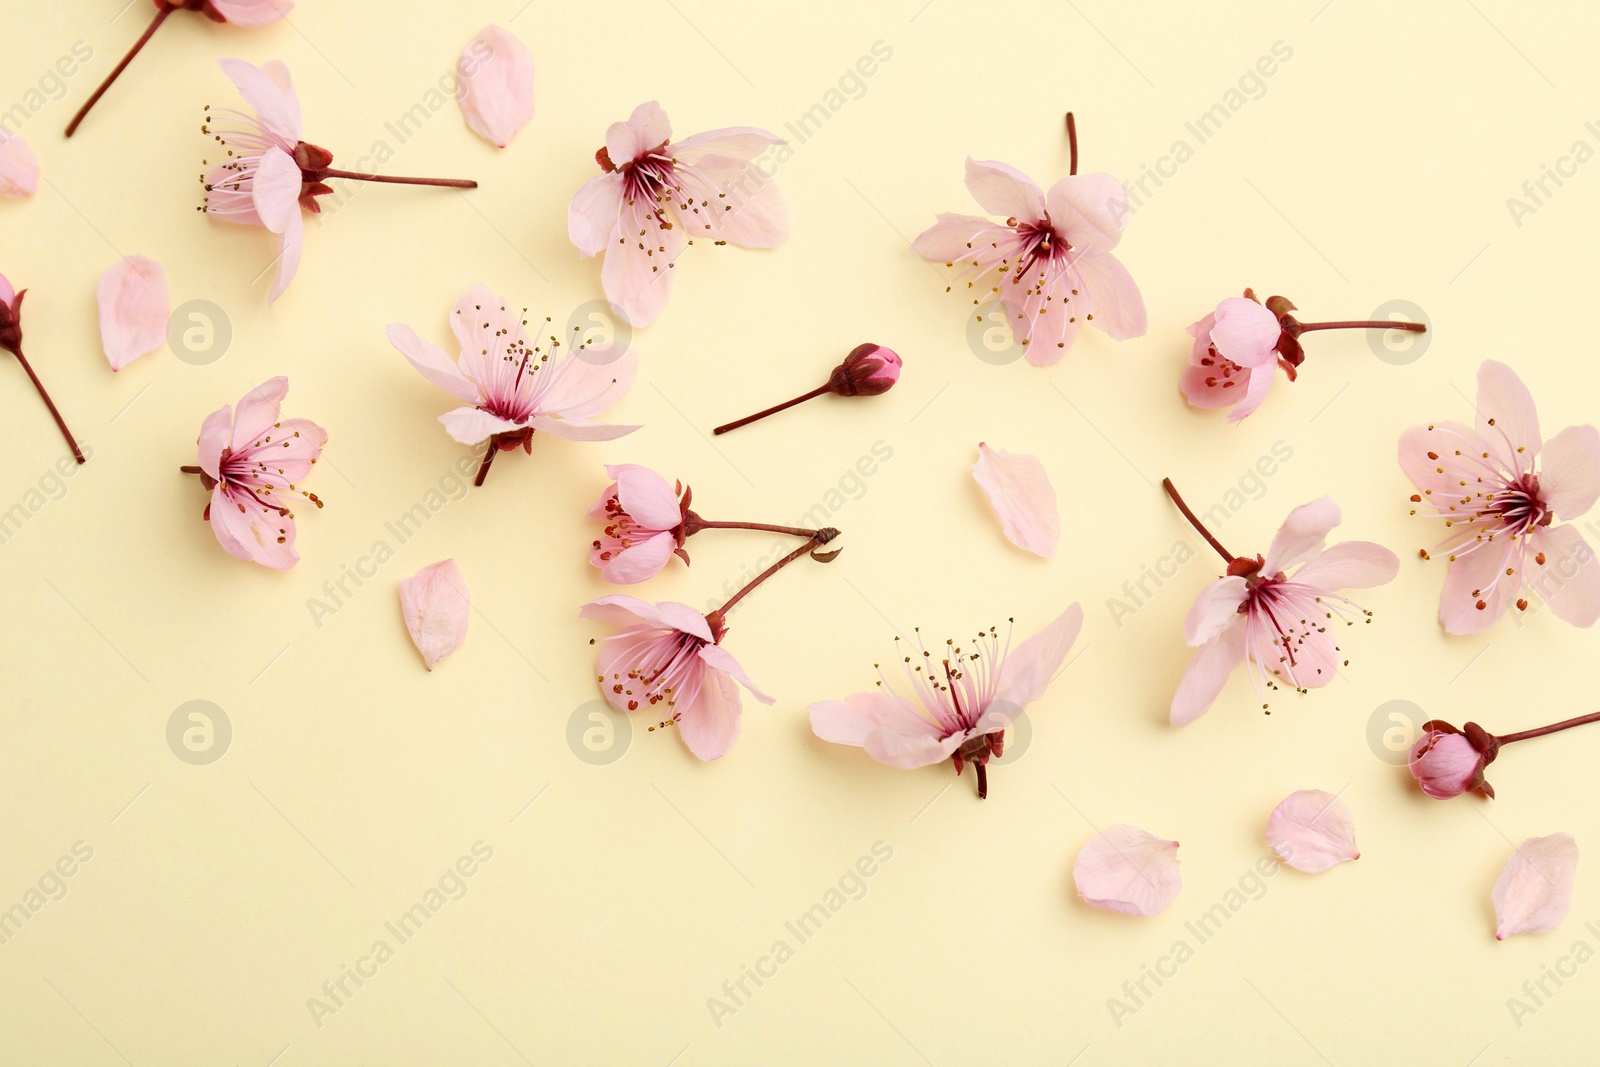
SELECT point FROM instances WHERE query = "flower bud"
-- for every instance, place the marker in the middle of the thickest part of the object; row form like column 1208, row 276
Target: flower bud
column 868, row 370
column 1447, row 762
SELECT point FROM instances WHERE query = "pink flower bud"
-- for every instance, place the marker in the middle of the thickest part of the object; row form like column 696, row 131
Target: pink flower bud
column 868, row 370
column 1447, row 762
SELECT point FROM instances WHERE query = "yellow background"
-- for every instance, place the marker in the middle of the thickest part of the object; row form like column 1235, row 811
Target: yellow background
column 1374, row 165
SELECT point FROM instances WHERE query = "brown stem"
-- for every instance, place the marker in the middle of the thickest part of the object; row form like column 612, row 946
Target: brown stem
column 983, row 771
column 810, row 546
column 189, row 470
column 1566, row 724
column 161, row 16
column 1166, row 483
column 793, row 530
column 1072, row 143
column 450, row 183
column 77, row 453
column 773, row 410
column 488, row 458
column 1380, row 324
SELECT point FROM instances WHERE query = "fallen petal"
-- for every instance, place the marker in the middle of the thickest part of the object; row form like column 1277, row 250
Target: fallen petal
column 1023, row 499
column 134, row 308
column 19, row 167
column 1127, row 870
column 1313, row 831
column 496, row 85
column 435, row 604
column 1534, row 892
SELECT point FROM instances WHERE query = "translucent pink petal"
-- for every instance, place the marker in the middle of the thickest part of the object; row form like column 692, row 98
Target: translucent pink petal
column 907, row 744
column 1478, row 577
column 432, row 363
column 720, row 659
column 287, row 450
column 586, row 382
column 1089, row 211
column 495, row 85
column 269, row 92
column 950, row 239
column 290, row 244
column 621, row 611
column 8, row 292
column 1029, row 668
column 215, row 433
column 579, row 429
column 639, row 561
column 253, row 13
column 436, row 605
column 645, row 129
column 708, row 719
column 750, row 212
column 1118, row 306
column 1534, row 892
column 1444, row 764
column 739, row 144
column 1245, row 332
column 19, row 167
column 646, row 496
column 256, row 411
column 1045, row 328
column 1206, row 674
column 1126, row 870
column 592, row 215
column 250, row 531
column 637, row 274
column 1313, row 831
column 1003, row 190
column 473, row 425
column 851, row 720
column 1022, row 497
column 1422, row 448
column 685, row 619
column 1301, row 536
column 1507, row 418
column 134, row 307
column 275, row 190
column 1570, row 471
column 1215, row 608
column 1569, row 578
column 1350, row 565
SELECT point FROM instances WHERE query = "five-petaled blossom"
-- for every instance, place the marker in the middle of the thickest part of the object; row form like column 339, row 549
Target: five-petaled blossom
column 1050, row 260
column 657, row 195
column 1273, row 621
column 1501, row 489
column 250, row 459
column 963, row 699
column 669, row 655
column 1239, row 347
column 512, row 385
column 270, row 173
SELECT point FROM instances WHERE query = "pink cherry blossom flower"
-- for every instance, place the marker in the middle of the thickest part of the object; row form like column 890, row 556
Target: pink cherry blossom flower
column 1534, row 892
column 436, row 604
column 1447, row 762
column 1050, row 261
column 248, row 13
column 11, row 341
column 1128, row 870
column 134, row 307
column 495, row 79
column 19, row 167
column 1274, row 622
column 1502, row 492
column 1239, row 347
column 1022, row 497
column 868, row 370
column 647, row 522
column 250, row 461
column 960, row 705
column 656, row 196
column 270, row 173
column 512, row 385
column 1313, row 831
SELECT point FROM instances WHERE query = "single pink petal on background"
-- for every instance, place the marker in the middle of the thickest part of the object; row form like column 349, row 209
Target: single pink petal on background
column 496, row 85
column 19, row 167
column 134, row 308
column 1534, row 892
column 1313, row 831
column 1127, row 870
column 435, row 604
column 1019, row 490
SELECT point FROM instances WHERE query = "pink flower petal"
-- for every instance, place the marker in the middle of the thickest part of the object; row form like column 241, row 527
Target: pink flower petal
column 1029, row 668
column 637, row 272
column 431, row 362
column 251, row 531
column 1256, row 388
column 708, row 720
column 646, row 496
column 256, row 411
column 436, row 605
column 1507, row 418
column 582, row 384
column 1118, row 306
column 1570, row 471
column 1313, row 831
column 720, row 659
column 1534, row 892
column 215, row 433
column 1245, row 332
column 592, row 215
column 645, row 129
column 496, row 85
column 134, row 307
column 472, row 426
column 1301, row 536
column 1126, row 870
column 1216, row 608
column 1019, row 490
column 253, row 13
column 579, row 429
column 1350, row 565
column 1090, row 210
column 752, row 213
column 638, row 562
column 1478, row 577
column 950, row 239
column 1569, row 578
column 268, row 90
column 19, row 167
column 1206, row 674
column 1421, row 448
column 290, row 244
column 738, row 144
column 1001, row 189
column 275, row 192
